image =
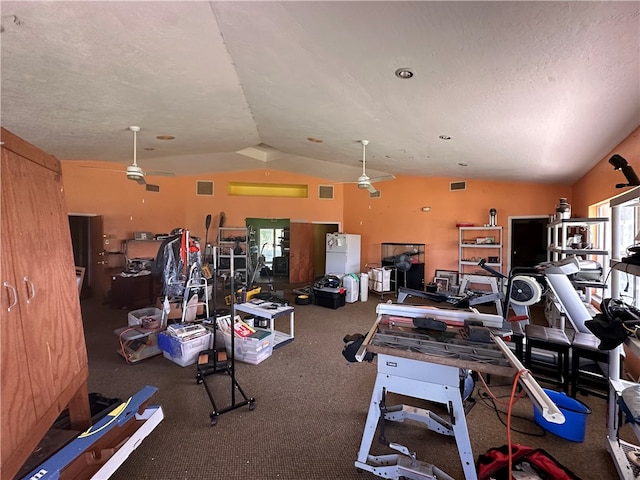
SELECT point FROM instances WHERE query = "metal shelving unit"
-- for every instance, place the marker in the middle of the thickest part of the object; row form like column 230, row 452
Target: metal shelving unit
column 618, row 448
column 233, row 238
column 472, row 248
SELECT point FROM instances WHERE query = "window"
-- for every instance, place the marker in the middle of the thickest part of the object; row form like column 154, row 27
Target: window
column 628, row 233
column 270, row 239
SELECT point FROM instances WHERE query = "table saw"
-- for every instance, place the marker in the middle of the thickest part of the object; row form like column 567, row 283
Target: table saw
column 425, row 364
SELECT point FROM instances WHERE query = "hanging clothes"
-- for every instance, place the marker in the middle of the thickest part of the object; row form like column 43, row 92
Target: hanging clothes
column 176, row 255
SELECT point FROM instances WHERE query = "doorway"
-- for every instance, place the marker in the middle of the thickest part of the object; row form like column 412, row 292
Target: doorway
column 527, row 241
column 320, row 231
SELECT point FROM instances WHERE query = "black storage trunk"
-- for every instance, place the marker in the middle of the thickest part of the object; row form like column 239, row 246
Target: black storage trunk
column 329, row 297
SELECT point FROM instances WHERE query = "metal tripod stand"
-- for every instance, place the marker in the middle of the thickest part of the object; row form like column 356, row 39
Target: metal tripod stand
column 211, row 361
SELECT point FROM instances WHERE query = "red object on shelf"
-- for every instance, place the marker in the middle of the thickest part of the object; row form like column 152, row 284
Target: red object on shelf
column 465, row 225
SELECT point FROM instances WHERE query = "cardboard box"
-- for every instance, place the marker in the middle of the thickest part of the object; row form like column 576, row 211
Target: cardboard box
column 175, row 305
column 184, row 353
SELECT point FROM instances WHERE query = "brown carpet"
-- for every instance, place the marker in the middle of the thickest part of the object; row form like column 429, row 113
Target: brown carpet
column 311, row 407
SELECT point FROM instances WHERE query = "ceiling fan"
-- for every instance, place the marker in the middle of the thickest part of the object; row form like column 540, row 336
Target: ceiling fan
column 363, row 180
column 134, row 172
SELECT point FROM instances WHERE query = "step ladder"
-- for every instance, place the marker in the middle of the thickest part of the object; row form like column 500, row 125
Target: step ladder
column 191, row 290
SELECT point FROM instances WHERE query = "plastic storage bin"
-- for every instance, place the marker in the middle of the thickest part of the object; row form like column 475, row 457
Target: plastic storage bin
column 135, row 317
column 183, row 353
column 575, row 417
column 329, row 297
column 253, row 349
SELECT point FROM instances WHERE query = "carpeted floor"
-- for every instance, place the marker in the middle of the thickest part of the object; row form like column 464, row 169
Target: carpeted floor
column 310, row 410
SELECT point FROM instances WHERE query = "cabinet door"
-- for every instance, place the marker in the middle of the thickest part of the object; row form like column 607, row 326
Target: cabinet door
column 17, row 409
column 40, row 242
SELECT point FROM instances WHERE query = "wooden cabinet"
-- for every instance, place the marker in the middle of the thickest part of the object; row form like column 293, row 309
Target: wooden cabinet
column 43, row 353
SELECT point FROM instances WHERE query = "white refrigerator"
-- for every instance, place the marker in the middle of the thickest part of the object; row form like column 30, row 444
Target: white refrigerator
column 343, row 253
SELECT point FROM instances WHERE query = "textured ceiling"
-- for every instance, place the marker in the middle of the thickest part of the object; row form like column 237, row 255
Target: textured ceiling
column 527, row 91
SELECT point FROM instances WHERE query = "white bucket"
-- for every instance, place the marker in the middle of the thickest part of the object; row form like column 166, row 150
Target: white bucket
column 364, row 287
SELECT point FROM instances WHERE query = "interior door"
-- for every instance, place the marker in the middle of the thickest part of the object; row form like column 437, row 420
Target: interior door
column 301, row 253
column 99, row 272
column 528, row 241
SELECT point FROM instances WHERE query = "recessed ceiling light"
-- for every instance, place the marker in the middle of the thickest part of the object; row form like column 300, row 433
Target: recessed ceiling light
column 444, row 137
column 314, row 140
column 165, row 137
column 462, row 164
column 404, row 73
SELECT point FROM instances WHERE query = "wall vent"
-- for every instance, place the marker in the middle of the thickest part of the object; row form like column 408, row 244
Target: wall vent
column 152, row 188
column 204, row 187
column 375, row 194
column 325, row 192
column 457, row 186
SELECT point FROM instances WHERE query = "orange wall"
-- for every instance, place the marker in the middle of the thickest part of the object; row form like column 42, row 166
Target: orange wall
column 599, row 183
column 395, row 217
column 127, row 207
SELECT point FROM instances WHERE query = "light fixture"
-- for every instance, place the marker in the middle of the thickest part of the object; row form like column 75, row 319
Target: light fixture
column 426, row 209
column 404, row 73
column 444, row 137
column 165, row 137
column 462, row 164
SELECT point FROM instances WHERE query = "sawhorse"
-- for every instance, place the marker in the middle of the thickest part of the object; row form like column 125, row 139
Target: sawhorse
column 494, row 296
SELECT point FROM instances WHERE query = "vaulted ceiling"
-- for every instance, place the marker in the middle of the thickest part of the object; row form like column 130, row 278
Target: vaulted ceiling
column 526, row 91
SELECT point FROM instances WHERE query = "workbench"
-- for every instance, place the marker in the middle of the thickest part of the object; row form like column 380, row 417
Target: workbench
column 424, row 366
column 271, row 311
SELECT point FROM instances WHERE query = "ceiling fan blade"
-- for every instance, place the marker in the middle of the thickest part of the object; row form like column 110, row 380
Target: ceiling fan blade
column 139, row 180
column 371, row 188
column 160, row 174
column 382, row 178
column 104, row 169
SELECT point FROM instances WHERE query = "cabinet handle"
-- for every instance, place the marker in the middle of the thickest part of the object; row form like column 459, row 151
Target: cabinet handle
column 12, row 289
column 30, row 287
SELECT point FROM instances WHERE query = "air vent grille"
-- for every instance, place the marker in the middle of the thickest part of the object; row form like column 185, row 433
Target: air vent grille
column 204, row 188
column 375, row 194
column 457, row 186
column 325, row 192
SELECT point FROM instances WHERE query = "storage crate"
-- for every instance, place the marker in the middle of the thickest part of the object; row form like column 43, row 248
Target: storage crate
column 252, row 349
column 183, row 353
column 329, row 297
column 135, row 317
